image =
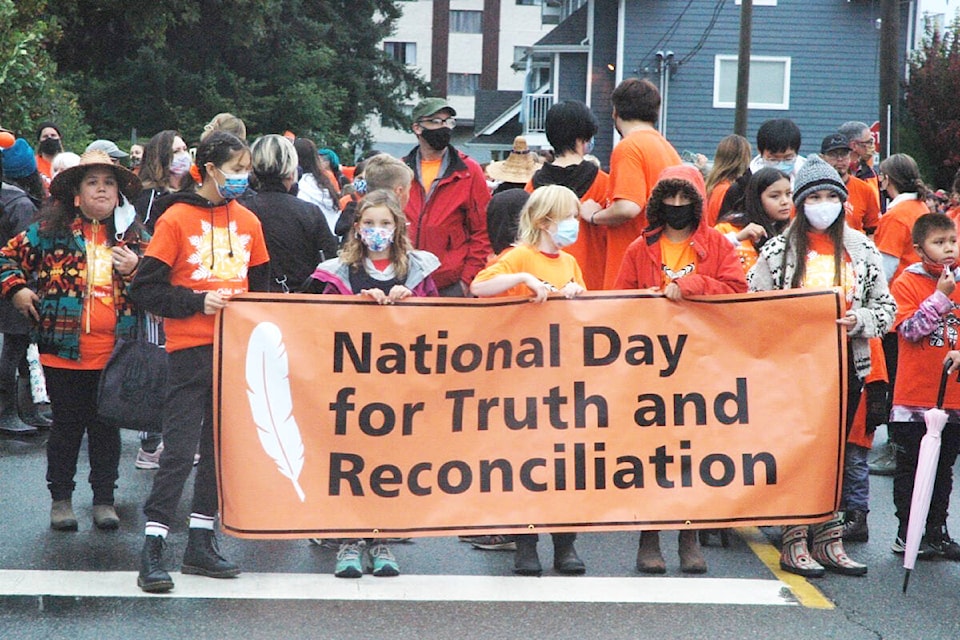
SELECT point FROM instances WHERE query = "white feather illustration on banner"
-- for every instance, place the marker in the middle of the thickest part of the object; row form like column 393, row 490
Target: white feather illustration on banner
column 268, row 390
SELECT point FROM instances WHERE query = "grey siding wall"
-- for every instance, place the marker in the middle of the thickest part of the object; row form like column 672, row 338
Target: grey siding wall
column 572, row 83
column 832, row 45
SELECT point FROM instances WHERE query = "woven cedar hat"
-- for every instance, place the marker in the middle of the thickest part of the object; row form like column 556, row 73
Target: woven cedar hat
column 64, row 186
column 519, row 166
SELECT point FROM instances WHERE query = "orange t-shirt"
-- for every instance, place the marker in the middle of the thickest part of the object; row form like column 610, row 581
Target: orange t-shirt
column 678, row 259
column 98, row 319
column 429, row 169
column 197, row 243
column 893, row 236
column 820, row 270
column 746, row 252
column 635, row 166
column 862, row 208
column 919, row 363
column 590, row 249
column 715, row 201
column 954, row 214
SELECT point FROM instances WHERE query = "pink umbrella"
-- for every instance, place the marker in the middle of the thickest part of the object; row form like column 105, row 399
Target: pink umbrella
column 927, row 461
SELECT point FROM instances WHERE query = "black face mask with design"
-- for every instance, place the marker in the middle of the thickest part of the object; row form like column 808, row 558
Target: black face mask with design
column 438, row 139
column 50, row 147
column 678, row 216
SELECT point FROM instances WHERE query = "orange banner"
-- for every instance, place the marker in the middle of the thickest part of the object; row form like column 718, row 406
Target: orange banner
column 339, row 417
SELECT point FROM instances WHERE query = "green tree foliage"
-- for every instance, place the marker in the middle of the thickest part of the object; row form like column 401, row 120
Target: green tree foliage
column 932, row 100
column 309, row 66
column 28, row 75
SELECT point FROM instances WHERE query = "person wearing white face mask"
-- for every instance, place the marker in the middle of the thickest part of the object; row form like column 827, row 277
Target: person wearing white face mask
column 818, row 249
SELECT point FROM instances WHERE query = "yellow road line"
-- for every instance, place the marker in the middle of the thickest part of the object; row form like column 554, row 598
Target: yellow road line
column 807, row 594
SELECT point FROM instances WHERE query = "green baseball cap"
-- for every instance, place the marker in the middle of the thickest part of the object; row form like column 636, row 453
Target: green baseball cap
column 429, row 106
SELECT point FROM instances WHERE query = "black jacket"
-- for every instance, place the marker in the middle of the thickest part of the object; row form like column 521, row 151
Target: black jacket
column 297, row 235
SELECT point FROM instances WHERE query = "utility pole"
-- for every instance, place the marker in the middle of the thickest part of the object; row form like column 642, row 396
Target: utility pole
column 743, row 68
column 889, row 76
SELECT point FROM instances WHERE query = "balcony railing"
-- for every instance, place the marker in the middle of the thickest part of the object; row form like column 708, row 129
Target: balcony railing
column 535, row 107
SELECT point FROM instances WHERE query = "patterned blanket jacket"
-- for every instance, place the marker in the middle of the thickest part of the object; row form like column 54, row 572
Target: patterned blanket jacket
column 55, row 266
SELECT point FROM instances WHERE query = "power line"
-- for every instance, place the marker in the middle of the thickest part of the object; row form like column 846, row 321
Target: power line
column 667, row 34
column 717, row 9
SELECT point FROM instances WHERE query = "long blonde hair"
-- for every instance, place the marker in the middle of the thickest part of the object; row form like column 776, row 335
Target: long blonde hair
column 546, row 205
column 730, row 162
column 354, row 251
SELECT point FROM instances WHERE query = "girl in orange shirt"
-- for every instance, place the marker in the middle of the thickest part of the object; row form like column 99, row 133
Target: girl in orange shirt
column 818, row 249
column 768, row 205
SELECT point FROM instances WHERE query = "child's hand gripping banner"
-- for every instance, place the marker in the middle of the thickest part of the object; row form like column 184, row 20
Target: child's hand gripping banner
column 335, row 416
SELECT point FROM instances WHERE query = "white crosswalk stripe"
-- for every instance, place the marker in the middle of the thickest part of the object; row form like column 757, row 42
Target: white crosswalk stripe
column 426, row 588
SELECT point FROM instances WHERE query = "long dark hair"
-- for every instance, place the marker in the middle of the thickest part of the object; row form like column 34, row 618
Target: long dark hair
column 903, row 172
column 796, row 237
column 753, row 204
column 307, row 154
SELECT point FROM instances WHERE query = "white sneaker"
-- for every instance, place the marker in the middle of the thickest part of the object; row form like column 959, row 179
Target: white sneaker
column 148, row 460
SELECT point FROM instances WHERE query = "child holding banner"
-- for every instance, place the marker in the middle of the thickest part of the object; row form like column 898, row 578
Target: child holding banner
column 818, row 249
column 538, row 265
column 377, row 261
column 680, row 255
column 205, row 249
column 927, row 318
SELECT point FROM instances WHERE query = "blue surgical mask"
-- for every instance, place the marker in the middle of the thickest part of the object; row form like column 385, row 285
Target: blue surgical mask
column 588, row 148
column 234, row 185
column 567, row 231
column 376, row 238
column 785, row 166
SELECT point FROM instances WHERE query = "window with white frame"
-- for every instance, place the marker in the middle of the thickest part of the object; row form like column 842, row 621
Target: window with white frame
column 462, row 84
column 466, row 21
column 402, row 52
column 769, row 82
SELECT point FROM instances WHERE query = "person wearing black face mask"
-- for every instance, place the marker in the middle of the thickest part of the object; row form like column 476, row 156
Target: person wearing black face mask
column 680, row 255
column 49, row 144
column 448, row 199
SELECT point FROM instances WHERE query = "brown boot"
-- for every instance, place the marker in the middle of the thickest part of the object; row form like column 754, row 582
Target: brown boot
column 649, row 558
column 62, row 517
column 828, row 549
column 691, row 559
column 794, row 554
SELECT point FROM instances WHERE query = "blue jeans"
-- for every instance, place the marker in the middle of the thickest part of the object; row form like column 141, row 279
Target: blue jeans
column 855, row 493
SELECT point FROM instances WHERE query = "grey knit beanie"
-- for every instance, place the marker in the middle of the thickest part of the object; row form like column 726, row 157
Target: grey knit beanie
column 817, row 175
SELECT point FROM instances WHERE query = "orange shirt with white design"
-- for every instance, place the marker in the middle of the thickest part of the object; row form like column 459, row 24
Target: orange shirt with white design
column 207, row 249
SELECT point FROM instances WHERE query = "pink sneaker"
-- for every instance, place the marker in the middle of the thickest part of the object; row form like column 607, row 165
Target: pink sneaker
column 148, row 460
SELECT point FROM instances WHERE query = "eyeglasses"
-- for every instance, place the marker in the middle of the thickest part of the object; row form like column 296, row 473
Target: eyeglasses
column 439, row 122
column 864, row 143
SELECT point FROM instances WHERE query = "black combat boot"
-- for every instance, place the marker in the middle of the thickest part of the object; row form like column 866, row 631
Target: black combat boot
column 202, row 557
column 152, row 578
